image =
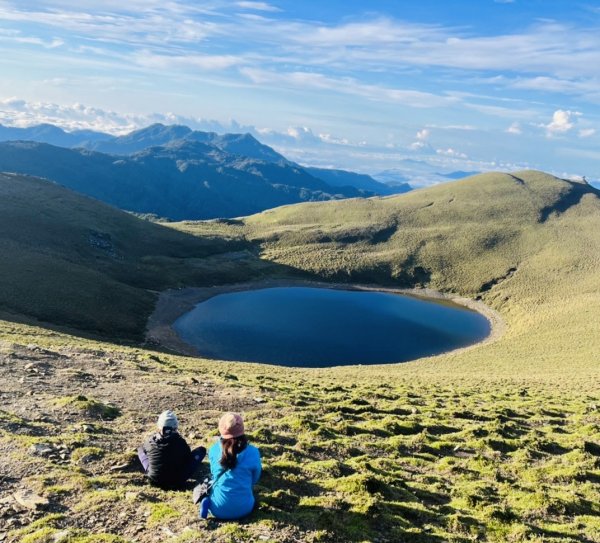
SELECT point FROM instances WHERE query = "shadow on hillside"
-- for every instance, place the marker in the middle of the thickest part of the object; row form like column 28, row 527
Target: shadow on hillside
column 100, row 313
column 571, row 198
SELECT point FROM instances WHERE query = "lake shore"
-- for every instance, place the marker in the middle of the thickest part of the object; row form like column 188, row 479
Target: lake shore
column 174, row 303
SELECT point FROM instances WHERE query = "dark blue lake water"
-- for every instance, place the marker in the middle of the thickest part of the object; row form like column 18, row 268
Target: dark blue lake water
column 320, row 327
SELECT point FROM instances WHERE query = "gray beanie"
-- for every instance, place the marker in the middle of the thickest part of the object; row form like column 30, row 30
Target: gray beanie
column 167, row 419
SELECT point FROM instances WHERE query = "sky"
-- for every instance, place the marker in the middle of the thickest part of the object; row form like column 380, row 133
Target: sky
column 414, row 87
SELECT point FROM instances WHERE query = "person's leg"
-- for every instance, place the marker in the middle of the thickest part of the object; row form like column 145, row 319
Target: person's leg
column 204, row 507
column 198, row 455
column 143, row 458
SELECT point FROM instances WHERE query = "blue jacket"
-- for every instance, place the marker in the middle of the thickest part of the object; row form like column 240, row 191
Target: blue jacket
column 231, row 496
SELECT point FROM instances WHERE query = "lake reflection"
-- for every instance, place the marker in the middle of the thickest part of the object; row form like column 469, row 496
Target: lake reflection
column 320, row 327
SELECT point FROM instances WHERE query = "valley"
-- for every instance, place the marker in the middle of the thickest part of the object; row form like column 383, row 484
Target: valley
column 499, row 442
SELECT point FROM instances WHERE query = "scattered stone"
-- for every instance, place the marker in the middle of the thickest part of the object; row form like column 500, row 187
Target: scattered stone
column 40, row 449
column 260, row 399
column 131, row 496
column 29, row 499
column 167, row 531
column 60, row 536
column 193, row 381
column 127, row 466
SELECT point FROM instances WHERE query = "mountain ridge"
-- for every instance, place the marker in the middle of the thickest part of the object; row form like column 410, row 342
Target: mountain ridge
column 183, row 180
column 158, row 134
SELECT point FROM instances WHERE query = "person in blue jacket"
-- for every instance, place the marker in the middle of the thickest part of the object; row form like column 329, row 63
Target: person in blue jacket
column 235, row 468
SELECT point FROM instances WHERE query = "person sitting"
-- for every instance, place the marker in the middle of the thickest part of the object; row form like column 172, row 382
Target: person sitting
column 235, row 467
column 166, row 457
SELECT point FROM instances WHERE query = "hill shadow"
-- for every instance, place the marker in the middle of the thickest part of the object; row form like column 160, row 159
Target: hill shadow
column 571, row 198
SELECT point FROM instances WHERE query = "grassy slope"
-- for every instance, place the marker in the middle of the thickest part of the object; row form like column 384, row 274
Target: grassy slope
column 528, row 244
column 497, row 443
column 69, row 259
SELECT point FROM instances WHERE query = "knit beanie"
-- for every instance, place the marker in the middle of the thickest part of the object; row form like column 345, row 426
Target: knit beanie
column 231, row 425
column 167, row 419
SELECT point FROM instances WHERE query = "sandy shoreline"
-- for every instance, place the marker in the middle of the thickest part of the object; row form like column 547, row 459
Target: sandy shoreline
column 174, row 303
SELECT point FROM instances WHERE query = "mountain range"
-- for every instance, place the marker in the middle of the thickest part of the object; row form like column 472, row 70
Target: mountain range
column 175, row 172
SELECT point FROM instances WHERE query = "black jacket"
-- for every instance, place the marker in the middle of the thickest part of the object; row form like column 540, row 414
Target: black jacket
column 169, row 458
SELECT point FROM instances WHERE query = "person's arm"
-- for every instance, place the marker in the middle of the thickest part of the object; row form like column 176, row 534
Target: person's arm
column 214, row 455
column 256, row 468
column 187, row 452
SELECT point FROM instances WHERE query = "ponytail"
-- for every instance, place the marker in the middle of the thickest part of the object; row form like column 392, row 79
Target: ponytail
column 230, row 449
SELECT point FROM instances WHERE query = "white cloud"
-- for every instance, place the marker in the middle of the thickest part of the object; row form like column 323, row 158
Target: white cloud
column 258, row 6
column 203, row 62
column 421, row 144
column 514, row 128
column 449, row 152
column 562, row 122
column 586, row 132
column 22, row 113
column 423, row 134
column 347, row 85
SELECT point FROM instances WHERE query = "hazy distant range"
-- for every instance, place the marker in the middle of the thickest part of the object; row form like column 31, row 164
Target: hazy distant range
column 178, row 173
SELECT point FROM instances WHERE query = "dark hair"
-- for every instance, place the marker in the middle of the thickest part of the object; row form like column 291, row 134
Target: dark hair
column 231, row 448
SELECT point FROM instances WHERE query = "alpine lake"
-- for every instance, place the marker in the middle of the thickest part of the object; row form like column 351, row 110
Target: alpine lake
column 322, row 327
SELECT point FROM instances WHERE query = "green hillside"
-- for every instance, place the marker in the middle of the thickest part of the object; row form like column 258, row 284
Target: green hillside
column 527, row 244
column 496, row 443
column 68, row 259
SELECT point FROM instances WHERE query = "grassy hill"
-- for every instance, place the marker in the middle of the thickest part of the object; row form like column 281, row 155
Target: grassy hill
column 527, row 244
column 71, row 260
column 497, row 443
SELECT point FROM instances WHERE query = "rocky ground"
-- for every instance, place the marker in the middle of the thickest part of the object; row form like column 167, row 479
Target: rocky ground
column 71, row 420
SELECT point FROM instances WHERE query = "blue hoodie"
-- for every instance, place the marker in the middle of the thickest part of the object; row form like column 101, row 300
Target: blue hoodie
column 231, row 496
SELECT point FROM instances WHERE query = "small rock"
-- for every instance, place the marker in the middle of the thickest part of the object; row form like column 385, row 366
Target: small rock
column 131, row 496
column 60, row 536
column 193, row 381
column 260, row 399
column 167, row 531
column 29, row 499
column 40, row 449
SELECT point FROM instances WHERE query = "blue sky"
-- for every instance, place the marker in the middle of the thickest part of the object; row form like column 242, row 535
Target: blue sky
column 470, row 85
